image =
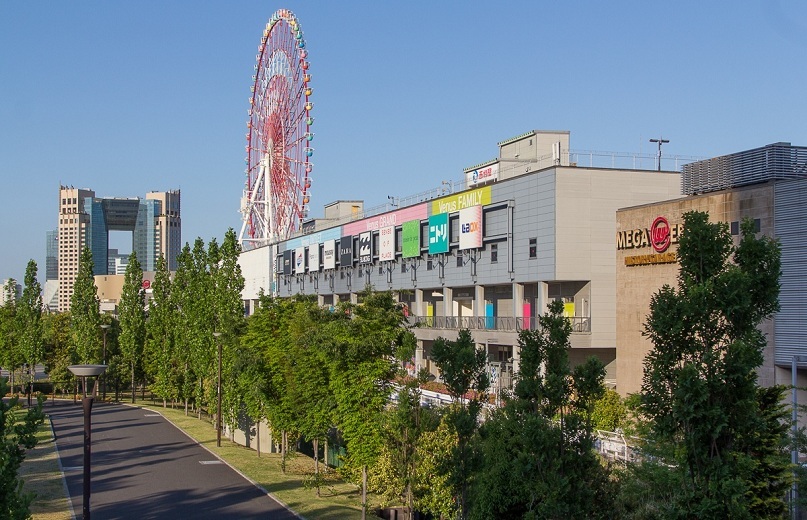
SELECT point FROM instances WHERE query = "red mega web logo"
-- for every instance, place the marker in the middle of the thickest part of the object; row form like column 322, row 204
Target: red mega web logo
column 660, row 236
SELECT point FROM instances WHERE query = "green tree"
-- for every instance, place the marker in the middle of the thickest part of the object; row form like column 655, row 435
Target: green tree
column 85, row 312
column 132, row 316
column 463, row 369
column 10, row 356
column 160, row 334
column 364, row 349
column 709, row 418
column 18, row 434
column 59, row 352
column 29, row 325
column 544, row 436
column 182, row 300
column 610, row 412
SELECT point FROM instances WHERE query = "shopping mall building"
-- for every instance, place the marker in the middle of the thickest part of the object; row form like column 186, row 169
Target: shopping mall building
column 540, row 223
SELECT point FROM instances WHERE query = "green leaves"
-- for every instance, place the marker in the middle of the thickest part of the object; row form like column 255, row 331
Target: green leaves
column 699, row 389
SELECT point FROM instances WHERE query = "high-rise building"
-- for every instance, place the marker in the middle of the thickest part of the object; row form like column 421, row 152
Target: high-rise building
column 86, row 220
column 52, row 255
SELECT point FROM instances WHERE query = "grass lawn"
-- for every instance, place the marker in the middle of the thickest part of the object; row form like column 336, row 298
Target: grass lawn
column 40, row 471
column 338, row 500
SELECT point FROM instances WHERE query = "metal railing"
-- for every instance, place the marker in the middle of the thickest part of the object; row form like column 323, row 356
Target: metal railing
column 580, row 324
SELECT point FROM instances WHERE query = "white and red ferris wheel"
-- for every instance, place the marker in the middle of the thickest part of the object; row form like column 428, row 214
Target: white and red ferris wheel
column 279, row 136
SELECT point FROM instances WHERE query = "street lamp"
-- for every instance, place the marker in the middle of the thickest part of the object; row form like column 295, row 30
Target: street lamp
column 85, row 371
column 104, row 327
column 217, row 335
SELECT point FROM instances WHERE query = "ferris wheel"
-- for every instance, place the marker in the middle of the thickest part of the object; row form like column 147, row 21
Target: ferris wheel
column 279, row 136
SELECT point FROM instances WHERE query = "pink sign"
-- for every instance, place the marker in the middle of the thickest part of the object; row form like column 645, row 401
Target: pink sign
column 393, row 218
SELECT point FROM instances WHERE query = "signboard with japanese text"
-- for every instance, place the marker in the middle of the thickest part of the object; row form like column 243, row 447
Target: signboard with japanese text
column 438, row 233
column 329, row 254
column 313, row 257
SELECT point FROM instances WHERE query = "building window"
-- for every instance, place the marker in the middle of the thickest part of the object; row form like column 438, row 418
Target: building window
column 735, row 228
column 494, row 253
column 533, row 248
column 459, row 260
column 429, row 265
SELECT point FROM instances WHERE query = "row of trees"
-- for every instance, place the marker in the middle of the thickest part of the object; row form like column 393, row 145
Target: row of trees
column 715, row 441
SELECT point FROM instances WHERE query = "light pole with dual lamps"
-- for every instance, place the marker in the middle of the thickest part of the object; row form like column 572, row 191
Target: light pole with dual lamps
column 217, row 335
column 85, row 371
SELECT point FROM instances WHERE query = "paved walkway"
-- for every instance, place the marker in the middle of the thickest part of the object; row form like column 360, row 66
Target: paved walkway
column 144, row 467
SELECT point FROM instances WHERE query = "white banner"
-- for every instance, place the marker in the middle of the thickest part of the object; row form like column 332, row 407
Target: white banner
column 329, row 254
column 313, row 257
column 299, row 260
column 482, row 175
column 471, row 227
column 386, row 244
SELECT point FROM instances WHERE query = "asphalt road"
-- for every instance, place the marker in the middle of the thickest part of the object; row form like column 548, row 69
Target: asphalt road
column 144, row 467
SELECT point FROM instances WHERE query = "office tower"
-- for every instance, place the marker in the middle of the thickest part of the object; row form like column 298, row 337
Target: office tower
column 86, row 220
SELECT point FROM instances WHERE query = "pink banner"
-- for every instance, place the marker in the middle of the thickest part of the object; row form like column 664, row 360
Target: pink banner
column 393, row 218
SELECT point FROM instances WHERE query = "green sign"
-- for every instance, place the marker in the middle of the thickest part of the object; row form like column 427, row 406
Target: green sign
column 410, row 237
column 438, row 233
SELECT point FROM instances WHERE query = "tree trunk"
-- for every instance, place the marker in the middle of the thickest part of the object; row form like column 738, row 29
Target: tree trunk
column 364, row 492
column 133, row 383
column 186, row 406
column 258, row 437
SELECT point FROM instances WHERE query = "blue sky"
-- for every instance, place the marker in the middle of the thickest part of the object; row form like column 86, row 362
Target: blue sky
column 129, row 97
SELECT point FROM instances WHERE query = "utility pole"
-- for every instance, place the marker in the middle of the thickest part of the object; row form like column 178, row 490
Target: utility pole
column 660, row 142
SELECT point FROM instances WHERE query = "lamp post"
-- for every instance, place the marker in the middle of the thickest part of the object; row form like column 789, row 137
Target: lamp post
column 85, row 371
column 104, row 327
column 217, row 335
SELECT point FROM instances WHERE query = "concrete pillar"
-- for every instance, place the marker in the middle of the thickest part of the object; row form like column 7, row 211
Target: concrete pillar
column 479, row 301
column 419, row 362
column 518, row 303
column 448, row 302
column 419, row 310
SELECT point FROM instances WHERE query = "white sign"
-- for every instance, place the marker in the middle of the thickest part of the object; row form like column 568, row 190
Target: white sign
column 329, row 254
column 386, row 244
column 299, row 260
column 482, row 175
column 471, row 227
column 313, row 257
column 366, row 247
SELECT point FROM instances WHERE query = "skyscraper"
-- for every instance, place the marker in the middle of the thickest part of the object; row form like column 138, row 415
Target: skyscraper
column 86, row 220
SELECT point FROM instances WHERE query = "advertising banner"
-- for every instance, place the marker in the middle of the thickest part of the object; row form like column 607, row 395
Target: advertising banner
column 393, row 218
column 438, row 234
column 299, row 260
column 287, row 254
column 464, row 199
column 386, row 244
column 329, row 254
column 471, row 227
column 410, row 237
column 346, row 251
column 313, row 257
column 482, row 175
column 366, row 247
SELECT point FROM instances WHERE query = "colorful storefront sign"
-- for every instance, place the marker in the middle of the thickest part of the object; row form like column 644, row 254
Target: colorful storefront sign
column 438, row 234
column 470, row 227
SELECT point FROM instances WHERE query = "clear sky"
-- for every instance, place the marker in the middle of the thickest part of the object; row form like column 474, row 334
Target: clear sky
column 130, row 97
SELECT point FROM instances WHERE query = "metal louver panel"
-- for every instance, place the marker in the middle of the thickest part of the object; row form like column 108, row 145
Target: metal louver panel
column 790, row 209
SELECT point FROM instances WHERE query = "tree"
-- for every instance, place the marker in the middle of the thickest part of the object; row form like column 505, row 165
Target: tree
column 363, row 349
column 132, row 316
column 463, row 369
column 85, row 312
column 160, row 333
column 29, row 325
column 699, row 390
column 59, row 352
column 15, row 437
column 10, row 356
column 544, row 435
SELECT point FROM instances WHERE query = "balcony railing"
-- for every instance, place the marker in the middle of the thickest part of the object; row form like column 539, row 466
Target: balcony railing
column 580, row 324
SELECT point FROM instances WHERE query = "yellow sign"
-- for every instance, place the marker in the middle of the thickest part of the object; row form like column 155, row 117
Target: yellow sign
column 662, row 258
column 465, row 199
